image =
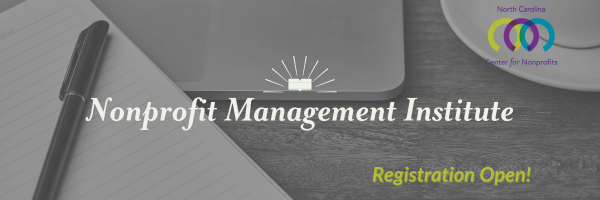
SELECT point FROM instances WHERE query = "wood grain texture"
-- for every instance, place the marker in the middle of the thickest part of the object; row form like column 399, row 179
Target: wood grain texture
column 554, row 131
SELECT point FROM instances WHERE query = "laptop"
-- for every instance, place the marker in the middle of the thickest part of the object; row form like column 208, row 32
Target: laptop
column 271, row 49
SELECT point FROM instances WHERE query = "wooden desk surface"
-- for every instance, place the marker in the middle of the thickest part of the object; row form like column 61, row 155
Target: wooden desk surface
column 554, row 131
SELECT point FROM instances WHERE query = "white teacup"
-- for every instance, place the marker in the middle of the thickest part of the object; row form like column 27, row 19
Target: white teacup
column 576, row 22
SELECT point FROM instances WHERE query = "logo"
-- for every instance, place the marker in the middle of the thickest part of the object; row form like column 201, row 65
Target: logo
column 521, row 41
column 300, row 83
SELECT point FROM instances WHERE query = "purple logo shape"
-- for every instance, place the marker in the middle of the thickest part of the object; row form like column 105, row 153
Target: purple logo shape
column 536, row 34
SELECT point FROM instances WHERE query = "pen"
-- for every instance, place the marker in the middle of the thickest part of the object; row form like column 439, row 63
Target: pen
column 74, row 91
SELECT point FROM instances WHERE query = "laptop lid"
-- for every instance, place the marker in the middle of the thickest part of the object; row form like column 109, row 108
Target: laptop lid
column 271, row 49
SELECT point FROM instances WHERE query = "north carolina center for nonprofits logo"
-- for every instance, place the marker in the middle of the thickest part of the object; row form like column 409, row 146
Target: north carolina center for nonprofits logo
column 521, row 30
column 300, row 83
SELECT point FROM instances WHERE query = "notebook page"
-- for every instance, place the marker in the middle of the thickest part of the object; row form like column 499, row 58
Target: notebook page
column 110, row 160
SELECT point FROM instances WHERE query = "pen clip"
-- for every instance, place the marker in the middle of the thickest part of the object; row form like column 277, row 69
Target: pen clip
column 72, row 64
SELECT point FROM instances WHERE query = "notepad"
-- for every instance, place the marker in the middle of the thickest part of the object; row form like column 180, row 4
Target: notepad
column 110, row 160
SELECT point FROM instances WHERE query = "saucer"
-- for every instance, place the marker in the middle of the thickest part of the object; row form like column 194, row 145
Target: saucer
column 576, row 69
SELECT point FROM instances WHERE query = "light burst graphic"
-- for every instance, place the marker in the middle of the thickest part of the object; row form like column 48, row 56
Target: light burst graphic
column 299, row 83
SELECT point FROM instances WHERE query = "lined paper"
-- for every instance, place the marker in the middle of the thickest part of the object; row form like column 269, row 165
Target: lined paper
column 110, row 160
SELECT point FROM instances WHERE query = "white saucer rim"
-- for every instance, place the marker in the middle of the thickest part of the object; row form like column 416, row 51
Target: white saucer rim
column 538, row 79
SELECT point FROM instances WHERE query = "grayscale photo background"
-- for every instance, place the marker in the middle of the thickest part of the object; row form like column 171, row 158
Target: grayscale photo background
column 554, row 131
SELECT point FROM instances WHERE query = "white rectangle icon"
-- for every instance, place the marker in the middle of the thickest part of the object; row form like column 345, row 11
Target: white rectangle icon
column 300, row 84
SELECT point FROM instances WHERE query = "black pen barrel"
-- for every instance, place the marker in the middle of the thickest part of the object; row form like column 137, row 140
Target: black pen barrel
column 58, row 150
column 76, row 86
